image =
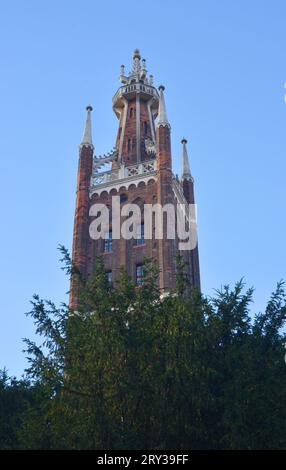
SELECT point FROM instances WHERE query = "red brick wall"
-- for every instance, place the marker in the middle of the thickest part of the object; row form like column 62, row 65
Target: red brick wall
column 129, row 157
column 81, row 238
column 125, row 253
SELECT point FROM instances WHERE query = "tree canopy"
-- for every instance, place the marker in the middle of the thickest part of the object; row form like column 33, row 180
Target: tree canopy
column 132, row 370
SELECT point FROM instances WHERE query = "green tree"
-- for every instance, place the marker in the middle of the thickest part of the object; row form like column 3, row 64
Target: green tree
column 130, row 370
column 14, row 396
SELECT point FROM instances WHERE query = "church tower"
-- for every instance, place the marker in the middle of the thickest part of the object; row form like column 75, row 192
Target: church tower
column 139, row 172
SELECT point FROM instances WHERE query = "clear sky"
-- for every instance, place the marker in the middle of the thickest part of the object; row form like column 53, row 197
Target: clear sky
column 223, row 65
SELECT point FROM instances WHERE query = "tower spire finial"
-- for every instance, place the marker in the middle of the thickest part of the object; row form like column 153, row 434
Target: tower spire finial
column 186, row 172
column 86, row 138
column 136, row 54
column 162, row 119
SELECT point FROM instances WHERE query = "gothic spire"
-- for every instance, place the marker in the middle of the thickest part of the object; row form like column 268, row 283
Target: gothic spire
column 186, row 172
column 162, row 119
column 86, row 138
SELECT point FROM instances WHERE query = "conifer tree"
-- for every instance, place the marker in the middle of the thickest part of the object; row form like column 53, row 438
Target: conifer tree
column 129, row 369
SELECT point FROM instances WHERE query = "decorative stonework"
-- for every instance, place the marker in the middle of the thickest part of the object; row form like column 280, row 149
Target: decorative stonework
column 124, row 176
column 118, row 184
column 127, row 90
column 101, row 160
column 150, row 147
column 138, row 71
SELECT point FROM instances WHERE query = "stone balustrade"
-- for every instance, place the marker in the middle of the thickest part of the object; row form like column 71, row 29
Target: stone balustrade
column 123, row 172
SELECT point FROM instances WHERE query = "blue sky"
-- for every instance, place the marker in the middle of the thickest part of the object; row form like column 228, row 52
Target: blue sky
column 223, row 65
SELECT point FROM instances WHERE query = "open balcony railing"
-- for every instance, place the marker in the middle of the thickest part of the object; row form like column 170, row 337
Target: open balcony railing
column 124, row 172
column 135, row 87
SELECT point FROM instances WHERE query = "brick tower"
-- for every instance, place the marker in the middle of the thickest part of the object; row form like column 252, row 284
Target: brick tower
column 140, row 172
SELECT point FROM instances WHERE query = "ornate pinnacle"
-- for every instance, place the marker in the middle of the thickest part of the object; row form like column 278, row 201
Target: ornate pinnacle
column 136, row 54
column 162, row 119
column 138, row 71
column 186, row 172
column 86, row 138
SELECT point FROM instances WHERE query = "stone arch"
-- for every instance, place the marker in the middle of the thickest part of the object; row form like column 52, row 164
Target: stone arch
column 113, row 192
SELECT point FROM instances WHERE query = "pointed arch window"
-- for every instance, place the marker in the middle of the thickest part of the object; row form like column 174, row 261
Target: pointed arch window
column 129, row 145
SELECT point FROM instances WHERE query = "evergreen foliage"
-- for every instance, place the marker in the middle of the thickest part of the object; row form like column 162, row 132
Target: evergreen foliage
column 130, row 370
